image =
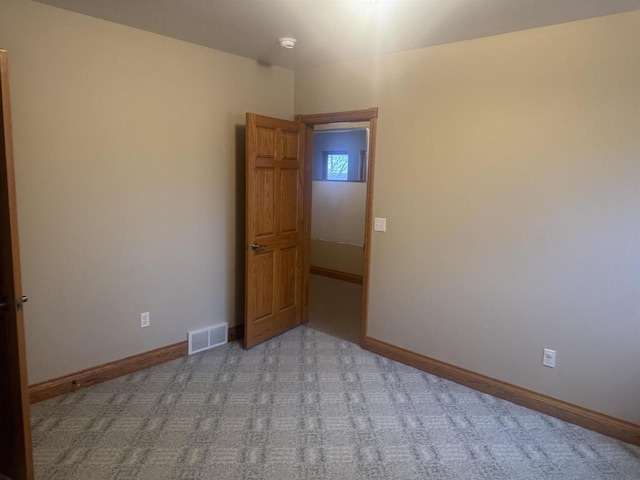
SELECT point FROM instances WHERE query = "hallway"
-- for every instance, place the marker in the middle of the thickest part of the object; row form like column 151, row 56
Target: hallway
column 336, row 308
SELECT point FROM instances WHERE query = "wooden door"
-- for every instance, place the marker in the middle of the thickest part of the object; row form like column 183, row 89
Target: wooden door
column 15, row 433
column 274, row 227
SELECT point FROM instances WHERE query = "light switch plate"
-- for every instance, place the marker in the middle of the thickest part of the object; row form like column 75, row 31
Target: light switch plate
column 380, row 224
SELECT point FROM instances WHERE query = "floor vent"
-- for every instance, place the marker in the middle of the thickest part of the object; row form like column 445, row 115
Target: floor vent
column 207, row 338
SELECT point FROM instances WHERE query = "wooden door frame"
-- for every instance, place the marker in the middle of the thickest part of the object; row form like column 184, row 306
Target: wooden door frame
column 369, row 115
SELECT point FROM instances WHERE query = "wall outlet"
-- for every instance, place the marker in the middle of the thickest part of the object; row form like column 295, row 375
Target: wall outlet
column 144, row 320
column 549, row 358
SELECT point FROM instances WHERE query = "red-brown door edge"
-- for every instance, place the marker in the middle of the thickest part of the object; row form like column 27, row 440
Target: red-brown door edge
column 16, row 458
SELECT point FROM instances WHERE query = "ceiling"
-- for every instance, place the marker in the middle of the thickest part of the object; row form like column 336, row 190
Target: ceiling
column 332, row 31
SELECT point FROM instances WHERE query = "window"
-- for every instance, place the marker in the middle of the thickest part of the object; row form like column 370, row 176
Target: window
column 335, row 166
column 340, row 155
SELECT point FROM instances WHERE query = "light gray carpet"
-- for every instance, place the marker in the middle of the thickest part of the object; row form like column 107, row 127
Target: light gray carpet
column 306, row 405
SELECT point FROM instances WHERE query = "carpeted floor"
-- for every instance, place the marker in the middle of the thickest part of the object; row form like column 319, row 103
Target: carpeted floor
column 306, row 405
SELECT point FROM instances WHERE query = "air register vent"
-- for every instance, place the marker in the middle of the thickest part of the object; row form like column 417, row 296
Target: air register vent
column 207, row 338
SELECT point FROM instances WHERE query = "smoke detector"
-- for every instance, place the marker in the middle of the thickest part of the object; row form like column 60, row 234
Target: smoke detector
column 287, row 42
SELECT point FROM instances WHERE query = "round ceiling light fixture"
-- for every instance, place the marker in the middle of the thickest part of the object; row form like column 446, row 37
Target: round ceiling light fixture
column 287, row 42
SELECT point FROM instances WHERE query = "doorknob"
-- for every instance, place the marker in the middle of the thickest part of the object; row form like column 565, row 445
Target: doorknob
column 257, row 246
column 4, row 305
column 22, row 300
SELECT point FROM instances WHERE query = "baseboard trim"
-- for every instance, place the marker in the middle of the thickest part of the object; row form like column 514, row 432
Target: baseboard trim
column 107, row 371
column 327, row 272
column 117, row 368
column 592, row 420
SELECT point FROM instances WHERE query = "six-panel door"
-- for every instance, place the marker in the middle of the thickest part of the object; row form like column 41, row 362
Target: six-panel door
column 274, row 229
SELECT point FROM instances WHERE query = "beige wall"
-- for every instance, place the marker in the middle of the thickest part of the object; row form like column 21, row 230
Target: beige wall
column 337, row 225
column 338, row 210
column 508, row 168
column 125, row 150
column 341, row 257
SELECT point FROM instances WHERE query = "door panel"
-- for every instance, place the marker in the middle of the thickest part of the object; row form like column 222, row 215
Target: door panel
column 289, row 184
column 273, row 290
column 15, row 434
column 264, row 201
column 288, row 281
column 264, row 275
column 266, row 142
column 290, row 148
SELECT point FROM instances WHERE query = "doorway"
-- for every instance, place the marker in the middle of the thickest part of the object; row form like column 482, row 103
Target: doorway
column 338, row 196
column 340, row 165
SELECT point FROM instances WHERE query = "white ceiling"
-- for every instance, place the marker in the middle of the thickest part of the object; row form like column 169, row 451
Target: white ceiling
column 332, row 31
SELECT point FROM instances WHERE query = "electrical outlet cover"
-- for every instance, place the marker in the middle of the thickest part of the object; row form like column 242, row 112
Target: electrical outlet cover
column 549, row 358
